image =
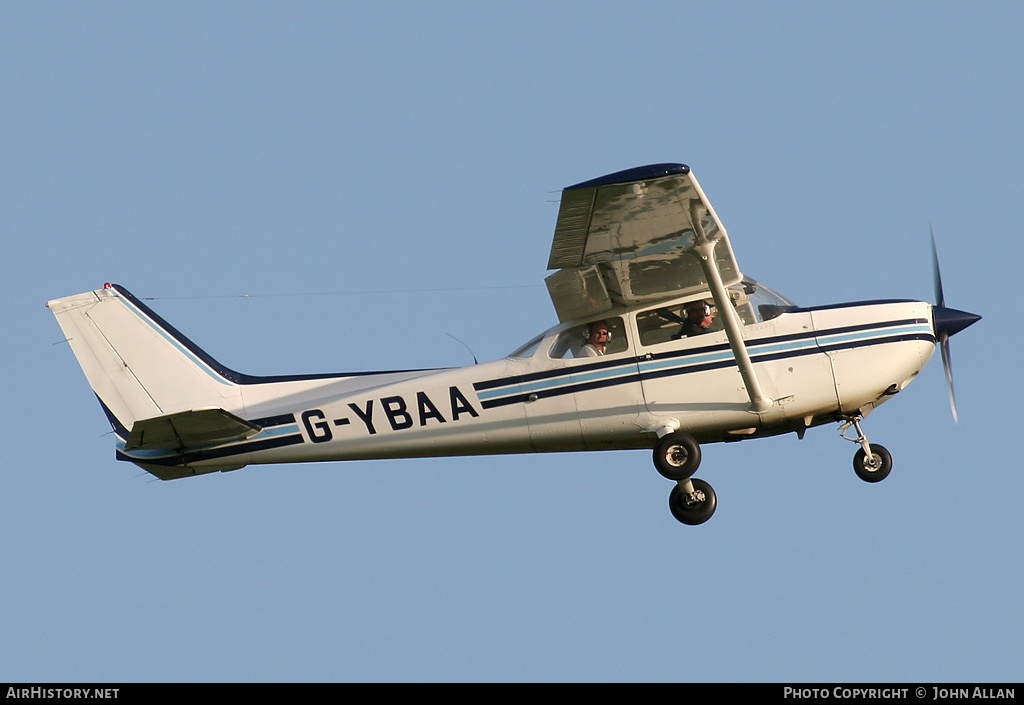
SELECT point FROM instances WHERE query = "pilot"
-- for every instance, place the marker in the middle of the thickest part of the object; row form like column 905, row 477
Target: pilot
column 698, row 319
column 597, row 340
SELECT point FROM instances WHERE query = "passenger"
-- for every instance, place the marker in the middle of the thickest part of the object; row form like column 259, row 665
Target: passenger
column 597, row 340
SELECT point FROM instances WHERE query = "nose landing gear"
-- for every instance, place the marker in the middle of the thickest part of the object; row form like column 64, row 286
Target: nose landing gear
column 872, row 462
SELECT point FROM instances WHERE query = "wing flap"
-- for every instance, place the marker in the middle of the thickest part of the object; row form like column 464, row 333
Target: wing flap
column 189, row 429
column 571, row 228
column 578, row 292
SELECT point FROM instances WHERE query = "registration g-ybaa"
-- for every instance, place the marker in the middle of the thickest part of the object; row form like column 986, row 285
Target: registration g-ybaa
column 662, row 343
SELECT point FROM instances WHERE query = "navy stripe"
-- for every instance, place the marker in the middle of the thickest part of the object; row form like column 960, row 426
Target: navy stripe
column 685, row 353
column 560, row 391
column 851, row 304
column 674, row 371
column 270, row 421
column 641, row 375
column 213, row 453
column 266, row 422
column 876, row 341
column 668, row 355
column 548, row 374
column 868, row 326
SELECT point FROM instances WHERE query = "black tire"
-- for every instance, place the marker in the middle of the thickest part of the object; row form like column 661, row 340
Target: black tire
column 693, row 513
column 677, row 456
column 873, row 472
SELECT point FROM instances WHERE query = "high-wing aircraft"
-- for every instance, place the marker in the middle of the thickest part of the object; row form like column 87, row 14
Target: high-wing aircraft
column 662, row 343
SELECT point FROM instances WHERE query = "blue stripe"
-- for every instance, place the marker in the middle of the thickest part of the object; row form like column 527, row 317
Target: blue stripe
column 180, row 459
column 280, row 430
column 511, row 390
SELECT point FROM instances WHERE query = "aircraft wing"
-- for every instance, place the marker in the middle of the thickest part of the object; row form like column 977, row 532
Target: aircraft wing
column 627, row 238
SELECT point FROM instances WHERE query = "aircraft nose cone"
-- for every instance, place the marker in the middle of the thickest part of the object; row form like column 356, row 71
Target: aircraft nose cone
column 949, row 321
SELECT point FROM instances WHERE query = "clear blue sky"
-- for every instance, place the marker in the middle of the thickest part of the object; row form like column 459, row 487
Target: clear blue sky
column 307, row 153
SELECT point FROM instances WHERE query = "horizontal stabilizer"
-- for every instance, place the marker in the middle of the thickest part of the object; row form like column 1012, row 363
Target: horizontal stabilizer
column 189, row 429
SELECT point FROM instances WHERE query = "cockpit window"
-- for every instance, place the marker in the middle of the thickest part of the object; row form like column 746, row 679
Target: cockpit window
column 595, row 339
column 753, row 302
column 660, row 325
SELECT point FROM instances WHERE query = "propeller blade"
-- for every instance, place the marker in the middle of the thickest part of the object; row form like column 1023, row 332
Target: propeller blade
column 948, row 367
column 940, row 300
column 946, row 322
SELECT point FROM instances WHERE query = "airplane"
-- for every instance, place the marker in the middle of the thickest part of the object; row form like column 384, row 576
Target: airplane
column 662, row 344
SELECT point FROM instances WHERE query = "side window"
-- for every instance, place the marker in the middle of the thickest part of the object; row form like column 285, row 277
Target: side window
column 595, row 339
column 661, row 325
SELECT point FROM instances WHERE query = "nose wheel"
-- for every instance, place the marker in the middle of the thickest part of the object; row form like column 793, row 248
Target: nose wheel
column 872, row 462
column 873, row 468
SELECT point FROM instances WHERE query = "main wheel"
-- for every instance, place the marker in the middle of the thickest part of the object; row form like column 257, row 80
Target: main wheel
column 693, row 511
column 676, row 456
column 877, row 468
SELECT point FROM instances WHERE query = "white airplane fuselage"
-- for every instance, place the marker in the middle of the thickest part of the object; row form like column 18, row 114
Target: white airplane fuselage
column 663, row 344
column 816, row 365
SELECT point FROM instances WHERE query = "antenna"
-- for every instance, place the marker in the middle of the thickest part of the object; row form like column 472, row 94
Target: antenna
column 465, row 346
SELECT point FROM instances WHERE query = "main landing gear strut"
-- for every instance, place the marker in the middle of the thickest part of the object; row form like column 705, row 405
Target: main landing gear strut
column 677, row 457
column 693, row 501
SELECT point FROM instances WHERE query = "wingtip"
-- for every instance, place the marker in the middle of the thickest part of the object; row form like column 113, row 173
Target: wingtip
column 640, row 173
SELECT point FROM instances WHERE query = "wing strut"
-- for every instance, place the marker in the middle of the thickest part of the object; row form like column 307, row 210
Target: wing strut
column 704, row 251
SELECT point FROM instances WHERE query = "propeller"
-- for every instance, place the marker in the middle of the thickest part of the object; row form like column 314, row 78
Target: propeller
column 946, row 322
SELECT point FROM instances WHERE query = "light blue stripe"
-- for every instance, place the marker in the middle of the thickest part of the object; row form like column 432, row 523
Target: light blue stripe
column 769, row 348
column 569, row 378
column 878, row 333
column 685, row 362
column 161, row 453
column 805, row 344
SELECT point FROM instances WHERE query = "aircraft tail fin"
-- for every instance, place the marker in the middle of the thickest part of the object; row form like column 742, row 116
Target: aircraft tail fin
column 138, row 365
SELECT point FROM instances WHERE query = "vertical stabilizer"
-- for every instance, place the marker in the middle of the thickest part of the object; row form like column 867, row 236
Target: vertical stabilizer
column 137, row 365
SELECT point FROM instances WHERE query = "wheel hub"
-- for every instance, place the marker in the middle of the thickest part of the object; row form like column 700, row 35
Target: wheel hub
column 677, row 456
column 694, row 498
column 873, row 463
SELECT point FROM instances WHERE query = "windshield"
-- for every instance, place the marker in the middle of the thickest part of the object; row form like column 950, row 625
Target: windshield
column 757, row 303
column 528, row 349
